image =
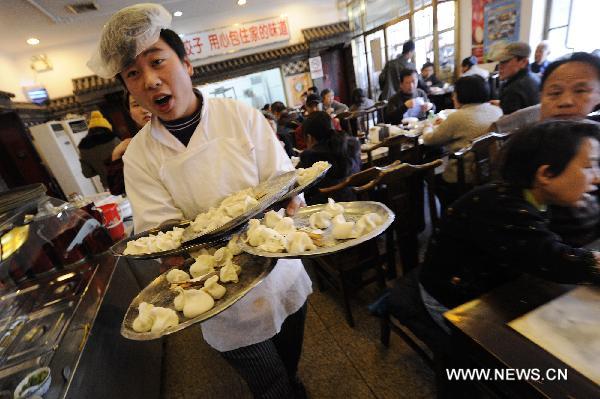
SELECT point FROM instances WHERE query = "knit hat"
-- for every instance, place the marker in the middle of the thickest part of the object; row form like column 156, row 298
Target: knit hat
column 98, row 120
column 517, row 49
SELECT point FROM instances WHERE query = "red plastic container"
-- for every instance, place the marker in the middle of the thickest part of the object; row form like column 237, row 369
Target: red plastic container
column 112, row 221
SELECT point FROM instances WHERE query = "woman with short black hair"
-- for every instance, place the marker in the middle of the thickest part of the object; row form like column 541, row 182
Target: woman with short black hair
column 326, row 144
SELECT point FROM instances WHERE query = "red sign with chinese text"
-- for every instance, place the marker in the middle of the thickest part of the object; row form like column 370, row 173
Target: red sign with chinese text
column 235, row 38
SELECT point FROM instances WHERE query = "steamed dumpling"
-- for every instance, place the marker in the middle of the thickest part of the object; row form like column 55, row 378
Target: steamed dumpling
column 320, row 220
column 163, row 318
column 343, row 230
column 299, row 241
column 222, row 255
column 144, row 320
column 273, row 243
column 285, row 226
column 229, row 272
column 212, row 287
column 233, row 246
column 241, row 206
column 368, row 223
column 332, row 208
column 256, row 235
column 272, row 218
column 196, row 302
column 204, row 264
column 177, row 276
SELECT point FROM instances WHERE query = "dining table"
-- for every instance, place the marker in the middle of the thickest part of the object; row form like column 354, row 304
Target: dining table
column 481, row 331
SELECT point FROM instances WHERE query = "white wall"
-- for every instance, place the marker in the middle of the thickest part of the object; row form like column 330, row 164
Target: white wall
column 69, row 61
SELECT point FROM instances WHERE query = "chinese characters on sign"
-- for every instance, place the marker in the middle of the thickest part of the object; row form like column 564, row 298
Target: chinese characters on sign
column 237, row 37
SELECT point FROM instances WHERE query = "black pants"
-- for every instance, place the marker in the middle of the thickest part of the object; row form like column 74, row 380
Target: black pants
column 269, row 367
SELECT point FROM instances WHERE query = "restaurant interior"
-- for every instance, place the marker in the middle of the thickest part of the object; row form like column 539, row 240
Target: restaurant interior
column 391, row 199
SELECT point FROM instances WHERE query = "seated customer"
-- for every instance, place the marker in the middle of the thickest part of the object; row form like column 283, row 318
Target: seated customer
column 499, row 231
column 360, row 101
column 471, row 120
column 326, row 144
column 313, row 104
column 409, row 101
column 468, row 67
column 331, row 106
column 428, row 77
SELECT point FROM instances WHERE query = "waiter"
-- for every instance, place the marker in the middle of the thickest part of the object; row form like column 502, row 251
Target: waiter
column 194, row 153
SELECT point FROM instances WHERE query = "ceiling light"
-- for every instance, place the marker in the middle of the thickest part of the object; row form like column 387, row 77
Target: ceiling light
column 181, row 35
column 178, row 13
column 241, row 2
column 33, row 41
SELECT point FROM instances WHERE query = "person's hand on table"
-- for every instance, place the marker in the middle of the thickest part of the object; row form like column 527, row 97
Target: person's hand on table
column 119, row 150
column 495, row 102
column 294, row 204
column 426, row 107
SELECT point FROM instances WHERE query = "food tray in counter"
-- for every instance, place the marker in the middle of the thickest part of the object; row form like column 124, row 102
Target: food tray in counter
column 159, row 293
column 327, row 244
column 266, row 193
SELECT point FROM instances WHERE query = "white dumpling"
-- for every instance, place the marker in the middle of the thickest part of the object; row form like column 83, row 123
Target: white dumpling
column 332, row 208
column 218, row 221
column 285, row 226
column 179, row 300
column 212, row 287
column 233, row 246
column 204, row 264
column 196, row 302
column 222, row 255
column 343, row 230
column 272, row 218
column 203, row 219
column 163, row 318
column 144, row 320
column 177, row 276
column 242, row 205
column 256, row 236
column 273, row 243
column 229, row 272
column 320, row 220
column 368, row 223
column 135, row 247
column 299, row 241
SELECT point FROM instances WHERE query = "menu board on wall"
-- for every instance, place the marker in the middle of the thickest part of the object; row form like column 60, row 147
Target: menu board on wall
column 237, row 37
column 501, row 23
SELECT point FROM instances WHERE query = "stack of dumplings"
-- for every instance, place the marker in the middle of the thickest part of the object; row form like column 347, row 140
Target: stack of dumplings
column 305, row 176
column 192, row 302
column 163, row 241
column 278, row 234
column 230, row 208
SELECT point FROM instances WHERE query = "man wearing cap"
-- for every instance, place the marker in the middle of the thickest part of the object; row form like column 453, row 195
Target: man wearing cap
column 521, row 88
column 194, row 153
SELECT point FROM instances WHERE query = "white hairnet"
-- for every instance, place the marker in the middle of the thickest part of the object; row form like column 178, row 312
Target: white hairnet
column 127, row 34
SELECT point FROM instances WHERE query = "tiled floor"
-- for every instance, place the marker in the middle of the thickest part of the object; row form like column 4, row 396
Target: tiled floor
column 337, row 361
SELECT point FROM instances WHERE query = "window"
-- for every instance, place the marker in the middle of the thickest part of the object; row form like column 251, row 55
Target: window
column 389, row 23
column 572, row 26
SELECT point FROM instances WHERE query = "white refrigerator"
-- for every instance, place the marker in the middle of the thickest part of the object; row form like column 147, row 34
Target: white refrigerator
column 61, row 156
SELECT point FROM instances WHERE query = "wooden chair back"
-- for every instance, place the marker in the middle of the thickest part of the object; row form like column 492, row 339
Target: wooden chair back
column 400, row 148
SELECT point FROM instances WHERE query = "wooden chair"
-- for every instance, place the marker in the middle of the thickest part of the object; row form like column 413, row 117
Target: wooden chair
column 400, row 148
column 482, row 157
column 345, row 271
column 402, row 189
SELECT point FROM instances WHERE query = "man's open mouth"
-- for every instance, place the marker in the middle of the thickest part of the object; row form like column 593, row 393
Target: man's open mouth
column 162, row 100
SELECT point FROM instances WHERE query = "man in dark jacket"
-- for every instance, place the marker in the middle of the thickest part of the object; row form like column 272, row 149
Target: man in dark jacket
column 521, row 88
column 389, row 79
column 409, row 101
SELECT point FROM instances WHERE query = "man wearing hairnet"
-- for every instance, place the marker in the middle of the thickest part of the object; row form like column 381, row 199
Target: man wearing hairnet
column 192, row 154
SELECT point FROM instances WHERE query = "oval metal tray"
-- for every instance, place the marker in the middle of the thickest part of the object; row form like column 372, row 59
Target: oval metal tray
column 352, row 211
column 158, row 293
column 267, row 193
column 206, row 241
column 299, row 189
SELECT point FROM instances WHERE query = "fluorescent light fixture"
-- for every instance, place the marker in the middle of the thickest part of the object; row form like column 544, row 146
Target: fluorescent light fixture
column 33, row 41
column 241, row 2
column 177, row 13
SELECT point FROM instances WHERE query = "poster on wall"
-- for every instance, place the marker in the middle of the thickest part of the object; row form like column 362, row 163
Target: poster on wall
column 501, row 24
column 477, row 32
column 295, row 85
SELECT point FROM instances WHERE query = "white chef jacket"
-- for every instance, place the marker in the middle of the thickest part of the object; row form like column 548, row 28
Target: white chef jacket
column 232, row 148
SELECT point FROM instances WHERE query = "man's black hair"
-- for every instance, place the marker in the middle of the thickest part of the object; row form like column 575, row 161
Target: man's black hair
column 313, row 89
column 427, row 65
column 469, row 61
column 472, row 90
column 173, row 40
column 583, row 57
column 408, row 46
column 406, row 72
column 553, row 143
column 278, row 107
column 325, row 92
